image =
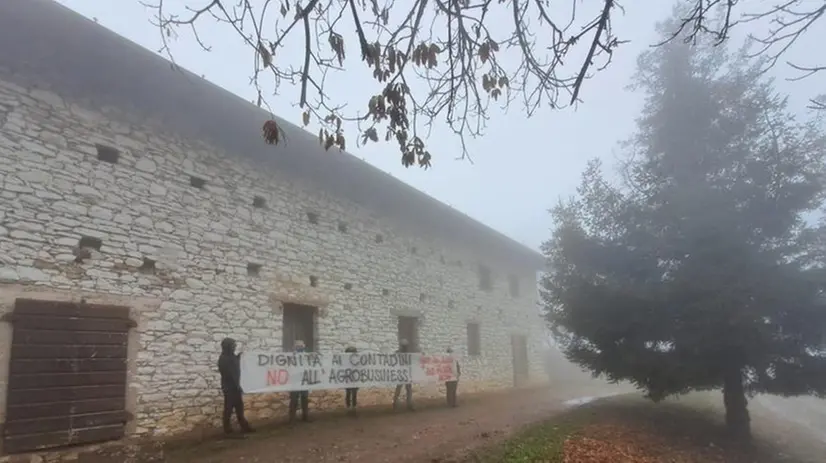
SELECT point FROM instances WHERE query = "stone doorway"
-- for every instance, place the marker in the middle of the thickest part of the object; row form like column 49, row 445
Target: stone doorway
column 408, row 328
column 519, row 353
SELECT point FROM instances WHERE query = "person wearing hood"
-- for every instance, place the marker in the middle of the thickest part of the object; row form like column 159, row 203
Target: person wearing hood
column 229, row 366
column 351, row 393
column 453, row 385
column 404, row 348
column 300, row 396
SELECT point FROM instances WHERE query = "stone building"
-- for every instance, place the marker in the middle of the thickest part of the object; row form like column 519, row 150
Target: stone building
column 142, row 219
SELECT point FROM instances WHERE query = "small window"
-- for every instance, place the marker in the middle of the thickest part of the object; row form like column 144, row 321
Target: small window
column 88, row 242
column 298, row 324
column 197, row 182
column 485, row 278
column 379, row 238
column 474, row 341
column 313, row 281
column 513, row 285
column 451, row 304
column 348, row 286
column 312, row 217
column 422, row 297
column 385, row 292
column 342, row 227
column 148, row 266
column 253, row 269
column 413, row 250
column 259, row 202
column 108, row 154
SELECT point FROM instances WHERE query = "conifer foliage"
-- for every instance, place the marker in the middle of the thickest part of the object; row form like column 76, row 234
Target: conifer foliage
column 696, row 269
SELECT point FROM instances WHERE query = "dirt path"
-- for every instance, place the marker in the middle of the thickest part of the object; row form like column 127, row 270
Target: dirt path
column 806, row 412
column 432, row 433
column 435, row 433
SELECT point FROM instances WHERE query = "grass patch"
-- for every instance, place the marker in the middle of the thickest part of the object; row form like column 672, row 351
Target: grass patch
column 544, row 443
column 630, row 429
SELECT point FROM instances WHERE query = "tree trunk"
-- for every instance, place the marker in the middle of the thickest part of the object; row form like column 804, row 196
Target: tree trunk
column 738, row 421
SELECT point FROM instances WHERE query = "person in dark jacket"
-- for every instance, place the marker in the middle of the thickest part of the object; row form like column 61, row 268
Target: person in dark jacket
column 404, row 348
column 351, row 393
column 300, row 396
column 229, row 365
column 453, row 386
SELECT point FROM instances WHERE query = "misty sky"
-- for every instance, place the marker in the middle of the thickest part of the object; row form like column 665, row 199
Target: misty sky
column 521, row 166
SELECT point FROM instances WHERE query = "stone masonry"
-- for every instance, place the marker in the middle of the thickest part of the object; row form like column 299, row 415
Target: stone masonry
column 144, row 208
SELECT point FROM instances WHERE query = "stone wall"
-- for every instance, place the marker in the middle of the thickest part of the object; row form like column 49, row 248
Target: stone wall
column 145, row 210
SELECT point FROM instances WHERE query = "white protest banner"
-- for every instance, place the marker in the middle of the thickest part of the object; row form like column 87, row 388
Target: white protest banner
column 281, row 372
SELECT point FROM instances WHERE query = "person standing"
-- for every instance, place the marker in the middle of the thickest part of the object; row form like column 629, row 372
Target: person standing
column 453, row 386
column 229, row 366
column 404, row 348
column 351, row 393
column 300, row 396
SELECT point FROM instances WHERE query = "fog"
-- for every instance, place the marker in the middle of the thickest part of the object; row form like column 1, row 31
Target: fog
column 684, row 244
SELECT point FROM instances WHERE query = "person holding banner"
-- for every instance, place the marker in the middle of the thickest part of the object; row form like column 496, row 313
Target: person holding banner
column 300, row 396
column 404, row 348
column 229, row 366
column 351, row 393
column 453, row 386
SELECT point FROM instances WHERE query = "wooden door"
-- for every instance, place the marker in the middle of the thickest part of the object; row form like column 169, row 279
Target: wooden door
column 67, row 375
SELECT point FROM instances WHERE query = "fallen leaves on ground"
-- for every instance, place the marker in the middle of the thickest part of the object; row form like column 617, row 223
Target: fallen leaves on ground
column 618, row 443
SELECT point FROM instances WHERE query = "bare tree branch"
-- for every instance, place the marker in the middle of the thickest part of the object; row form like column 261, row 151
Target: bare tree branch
column 696, row 22
column 788, row 22
column 465, row 60
column 818, row 103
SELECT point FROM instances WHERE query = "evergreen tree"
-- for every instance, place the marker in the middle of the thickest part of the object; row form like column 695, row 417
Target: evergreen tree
column 697, row 271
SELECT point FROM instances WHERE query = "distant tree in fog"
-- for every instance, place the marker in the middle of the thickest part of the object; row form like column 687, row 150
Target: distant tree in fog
column 696, row 271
